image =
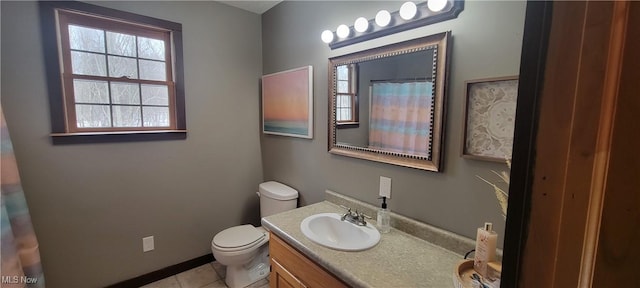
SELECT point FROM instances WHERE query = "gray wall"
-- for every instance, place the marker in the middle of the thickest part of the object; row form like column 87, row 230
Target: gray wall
column 91, row 204
column 487, row 39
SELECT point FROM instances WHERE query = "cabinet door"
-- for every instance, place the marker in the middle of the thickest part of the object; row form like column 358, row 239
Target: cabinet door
column 299, row 267
column 281, row 278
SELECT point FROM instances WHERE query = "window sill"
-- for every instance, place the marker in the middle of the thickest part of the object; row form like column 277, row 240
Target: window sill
column 348, row 125
column 110, row 137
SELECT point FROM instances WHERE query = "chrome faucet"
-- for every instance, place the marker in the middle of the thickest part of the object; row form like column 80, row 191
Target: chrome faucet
column 354, row 217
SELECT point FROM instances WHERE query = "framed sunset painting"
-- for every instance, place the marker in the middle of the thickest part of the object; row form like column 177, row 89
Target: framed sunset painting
column 287, row 103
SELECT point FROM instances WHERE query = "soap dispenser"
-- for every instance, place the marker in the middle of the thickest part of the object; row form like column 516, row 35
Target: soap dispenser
column 384, row 219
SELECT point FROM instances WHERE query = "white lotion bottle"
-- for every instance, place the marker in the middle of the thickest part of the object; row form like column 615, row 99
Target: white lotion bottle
column 486, row 241
column 384, row 219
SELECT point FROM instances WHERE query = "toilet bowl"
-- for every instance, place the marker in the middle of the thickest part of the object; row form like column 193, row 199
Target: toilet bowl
column 244, row 249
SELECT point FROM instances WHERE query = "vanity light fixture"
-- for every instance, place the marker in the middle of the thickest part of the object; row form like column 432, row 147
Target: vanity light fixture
column 383, row 18
column 361, row 25
column 409, row 16
column 436, row 5
column 327, row 36
column 408, row 10
column 342, row 31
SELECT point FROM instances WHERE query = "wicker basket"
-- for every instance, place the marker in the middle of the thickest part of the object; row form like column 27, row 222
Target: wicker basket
column 464, row 270
column 462, row 274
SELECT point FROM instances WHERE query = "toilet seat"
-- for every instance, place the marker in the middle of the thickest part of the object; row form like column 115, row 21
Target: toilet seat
column 239, row 238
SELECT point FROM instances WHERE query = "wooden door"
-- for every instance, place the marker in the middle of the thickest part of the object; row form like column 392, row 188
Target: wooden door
column 618, row 242
column 584, row 224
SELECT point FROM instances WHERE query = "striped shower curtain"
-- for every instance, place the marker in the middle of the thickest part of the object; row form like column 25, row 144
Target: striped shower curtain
column 400, row 117
column 20, row 256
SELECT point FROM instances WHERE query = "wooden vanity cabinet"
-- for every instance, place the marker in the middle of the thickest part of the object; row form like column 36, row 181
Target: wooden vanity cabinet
column 290, row 268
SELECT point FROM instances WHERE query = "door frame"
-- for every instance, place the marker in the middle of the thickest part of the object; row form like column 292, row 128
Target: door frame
column 537, row 27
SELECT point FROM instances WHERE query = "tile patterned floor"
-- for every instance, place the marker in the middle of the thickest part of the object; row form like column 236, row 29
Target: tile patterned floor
column 209, row 275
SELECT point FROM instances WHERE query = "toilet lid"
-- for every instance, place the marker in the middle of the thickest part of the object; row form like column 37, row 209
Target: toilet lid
column 238, row 236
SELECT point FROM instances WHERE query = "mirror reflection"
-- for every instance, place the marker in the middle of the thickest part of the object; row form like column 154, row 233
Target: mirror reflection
column 393, row 98
column 387, row 103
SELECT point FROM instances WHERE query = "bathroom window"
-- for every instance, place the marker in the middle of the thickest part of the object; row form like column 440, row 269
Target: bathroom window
column 346, row 95
column 120, row 73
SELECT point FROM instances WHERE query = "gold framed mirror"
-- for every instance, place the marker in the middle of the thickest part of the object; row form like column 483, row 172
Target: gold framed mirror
column 387, row 104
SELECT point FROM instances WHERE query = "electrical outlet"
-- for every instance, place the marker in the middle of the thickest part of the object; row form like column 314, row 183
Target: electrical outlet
column 147, row 244
column 385, row 187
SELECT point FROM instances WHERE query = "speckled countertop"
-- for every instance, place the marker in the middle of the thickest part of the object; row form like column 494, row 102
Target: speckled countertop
column 398, row 260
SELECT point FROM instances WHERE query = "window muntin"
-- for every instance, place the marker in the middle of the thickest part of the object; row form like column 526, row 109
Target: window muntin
column 346, row 94
column 117, row 75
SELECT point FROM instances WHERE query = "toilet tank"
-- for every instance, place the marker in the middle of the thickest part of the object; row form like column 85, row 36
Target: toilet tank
column 276, row 197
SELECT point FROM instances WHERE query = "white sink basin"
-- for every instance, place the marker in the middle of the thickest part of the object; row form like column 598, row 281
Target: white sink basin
column 328, row 230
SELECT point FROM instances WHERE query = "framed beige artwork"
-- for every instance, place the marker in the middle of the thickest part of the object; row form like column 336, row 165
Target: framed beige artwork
column 490, row 110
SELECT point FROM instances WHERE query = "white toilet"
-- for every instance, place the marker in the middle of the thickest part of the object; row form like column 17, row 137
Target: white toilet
column 243, row 249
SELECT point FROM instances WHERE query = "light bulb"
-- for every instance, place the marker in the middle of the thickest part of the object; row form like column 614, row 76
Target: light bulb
column 436, row 5
column 383, row 18
column 342, row 31
column 361, row 24
column 327, row 36
column 408, row 10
